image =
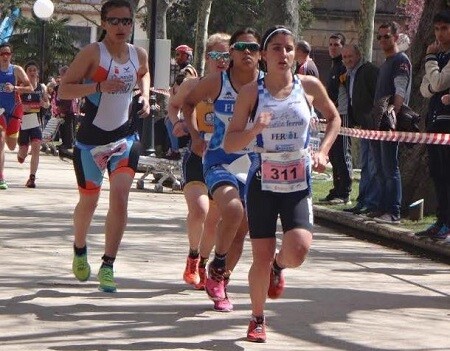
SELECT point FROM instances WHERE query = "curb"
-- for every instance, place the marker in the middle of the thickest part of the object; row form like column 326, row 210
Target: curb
column 385, row 230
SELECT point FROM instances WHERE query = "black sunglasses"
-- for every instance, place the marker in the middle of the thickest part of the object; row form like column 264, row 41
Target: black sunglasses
column 242, row 46
column 114, row 21
column 386, row 36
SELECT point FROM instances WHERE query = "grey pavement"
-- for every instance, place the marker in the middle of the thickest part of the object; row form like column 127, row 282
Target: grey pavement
column 348, row 295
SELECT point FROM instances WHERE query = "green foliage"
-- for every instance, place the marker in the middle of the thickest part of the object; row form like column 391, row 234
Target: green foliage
column 226, row 16
column 58, row 46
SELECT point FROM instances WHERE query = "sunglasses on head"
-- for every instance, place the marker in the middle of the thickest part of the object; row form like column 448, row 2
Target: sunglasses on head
column 114, row 21
column 242, row 46
column 386, row 36
column 5, row 53
column 218, row 55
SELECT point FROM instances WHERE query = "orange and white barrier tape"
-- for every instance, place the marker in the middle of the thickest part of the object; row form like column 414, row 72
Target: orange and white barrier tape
column 404, row 137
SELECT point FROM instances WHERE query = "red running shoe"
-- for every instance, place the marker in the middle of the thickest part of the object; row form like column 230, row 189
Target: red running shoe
column 256, row 332
column 202, row 275
column 276, row 286
column 190, row 274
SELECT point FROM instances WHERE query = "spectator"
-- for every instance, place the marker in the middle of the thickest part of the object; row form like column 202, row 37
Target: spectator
column 304, row 63
column 340, row 152
column 13, row 81
column 183, row 58
column 394, row 79
column 360, row 83
column 435, row 86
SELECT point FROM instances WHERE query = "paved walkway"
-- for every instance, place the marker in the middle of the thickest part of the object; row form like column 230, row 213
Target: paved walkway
column 349, row 295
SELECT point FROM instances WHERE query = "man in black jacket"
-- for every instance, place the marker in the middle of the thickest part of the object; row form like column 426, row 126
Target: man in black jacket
column 360, row 83
column 340, row 153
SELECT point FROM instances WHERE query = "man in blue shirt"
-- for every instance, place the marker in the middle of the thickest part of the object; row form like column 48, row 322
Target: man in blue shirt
column 394, row 80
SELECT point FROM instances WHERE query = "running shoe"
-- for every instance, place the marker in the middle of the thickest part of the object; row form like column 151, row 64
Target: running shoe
column 256, row 332
column 31, row 182
column 202, row 276
column 106, row 278
column 224, row 305
column 442, row 233
column 430, row 231
column 81, row 268
column 3, row 185
column 276, row 286
column 215, row 286
column 190, row 274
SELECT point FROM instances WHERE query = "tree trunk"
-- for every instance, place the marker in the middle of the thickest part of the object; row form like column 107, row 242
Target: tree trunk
column 161, row 9
column 366, row 27
column 414, row 160
column 284, row 12
column 201, row 35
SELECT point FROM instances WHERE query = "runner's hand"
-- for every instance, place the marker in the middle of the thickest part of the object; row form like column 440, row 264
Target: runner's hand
column 262, row 122
column 145, row 107
column 198, row 146
column 111, row 85
column 179, row 129
column 319, row 161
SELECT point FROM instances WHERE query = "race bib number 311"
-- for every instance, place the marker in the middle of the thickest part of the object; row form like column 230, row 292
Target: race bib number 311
column 284, row 172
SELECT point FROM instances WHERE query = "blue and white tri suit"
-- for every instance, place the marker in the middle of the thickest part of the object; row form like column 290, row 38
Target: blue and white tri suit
column 217, row 164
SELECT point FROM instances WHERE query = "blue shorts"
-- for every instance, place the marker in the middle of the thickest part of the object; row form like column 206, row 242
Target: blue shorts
column 217, row 176
column 90, row 176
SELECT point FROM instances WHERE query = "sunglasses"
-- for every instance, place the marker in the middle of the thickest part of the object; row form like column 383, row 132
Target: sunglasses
column 242, row 46
column 386, row 36
column 114, row 21
column 5, row 53
column 218, row 55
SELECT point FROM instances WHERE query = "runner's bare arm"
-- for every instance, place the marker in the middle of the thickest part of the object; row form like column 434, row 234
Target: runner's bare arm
column 207, row 89
column 320, row 100
column 176, row 101
column 45, row 100
column 82, row 67
column 237, row 137
column 24, row 84
column 143, row 81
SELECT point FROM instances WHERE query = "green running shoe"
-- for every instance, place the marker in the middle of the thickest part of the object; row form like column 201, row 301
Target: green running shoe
column 81, row 268
column 106, row 278
column 3, row 185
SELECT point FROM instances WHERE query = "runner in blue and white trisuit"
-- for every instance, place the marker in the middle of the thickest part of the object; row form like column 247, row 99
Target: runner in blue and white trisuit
column 276, row 110
column 109, row 71
column 222, row 170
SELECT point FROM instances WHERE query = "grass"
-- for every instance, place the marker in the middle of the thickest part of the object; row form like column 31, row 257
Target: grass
column 322, row 183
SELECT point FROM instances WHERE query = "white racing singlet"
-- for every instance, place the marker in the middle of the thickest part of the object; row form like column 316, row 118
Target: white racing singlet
column 107, row 114
column 284, row 140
